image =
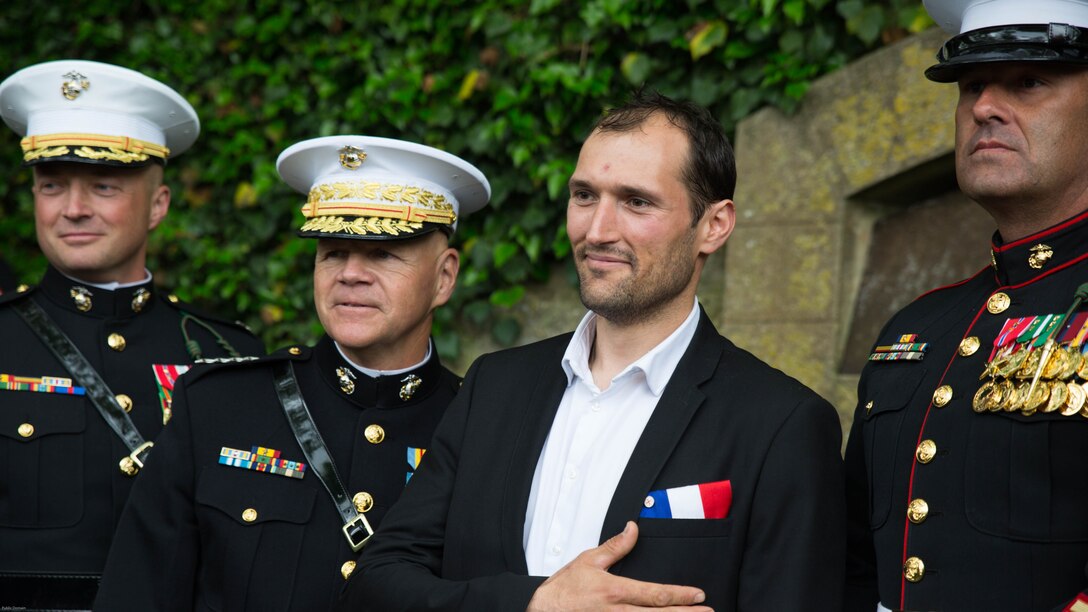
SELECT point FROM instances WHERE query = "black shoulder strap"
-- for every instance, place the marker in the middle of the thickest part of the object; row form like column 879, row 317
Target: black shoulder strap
column 356, row 528
column 97, row 390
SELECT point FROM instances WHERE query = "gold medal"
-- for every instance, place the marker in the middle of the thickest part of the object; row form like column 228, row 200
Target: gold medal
column 1038, row 399
column 1059, row 393
column 982, row 397
column 1029, row 365
column 1054, row 365
column 1018, row 397
column 1075, row 403
column 1000, row 395
column 1071, row 363
column 1012, row 364
column 1082, row 368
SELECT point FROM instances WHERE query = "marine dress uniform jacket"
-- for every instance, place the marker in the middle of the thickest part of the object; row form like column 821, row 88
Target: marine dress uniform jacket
column 199, row 534
column 61, row 490
column 454, row 540
column 956, row 510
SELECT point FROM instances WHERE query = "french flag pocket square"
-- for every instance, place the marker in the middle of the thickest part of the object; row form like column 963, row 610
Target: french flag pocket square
column 710, row 500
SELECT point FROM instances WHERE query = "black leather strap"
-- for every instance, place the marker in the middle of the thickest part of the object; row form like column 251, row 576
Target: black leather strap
column 356, row 528
column 97, row 390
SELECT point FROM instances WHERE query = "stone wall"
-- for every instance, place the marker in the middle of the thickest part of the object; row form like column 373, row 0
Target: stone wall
column 848, row 210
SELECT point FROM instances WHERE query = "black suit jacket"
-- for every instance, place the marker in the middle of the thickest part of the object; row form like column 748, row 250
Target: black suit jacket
column 454, row 539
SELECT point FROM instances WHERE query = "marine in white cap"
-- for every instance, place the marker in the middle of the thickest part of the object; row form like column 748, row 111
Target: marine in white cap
column 967, row 462
column 90, row 354
column 281, row 468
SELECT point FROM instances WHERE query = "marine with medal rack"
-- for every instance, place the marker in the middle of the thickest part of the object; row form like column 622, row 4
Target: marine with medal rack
column 967, row 462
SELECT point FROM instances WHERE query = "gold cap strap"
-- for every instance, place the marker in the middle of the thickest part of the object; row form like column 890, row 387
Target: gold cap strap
column 373, row 199
column 92, row 146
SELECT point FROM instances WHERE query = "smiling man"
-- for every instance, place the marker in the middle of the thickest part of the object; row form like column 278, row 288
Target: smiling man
column 88, row 357
column 643, row 460
column 967, row 462
column 279, row 469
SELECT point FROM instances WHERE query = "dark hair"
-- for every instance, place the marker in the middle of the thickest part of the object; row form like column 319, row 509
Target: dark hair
column 710, row 172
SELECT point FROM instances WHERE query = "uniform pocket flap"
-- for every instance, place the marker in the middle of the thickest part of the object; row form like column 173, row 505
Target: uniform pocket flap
column 61, row 415
column 251, row 497
column 892, row 386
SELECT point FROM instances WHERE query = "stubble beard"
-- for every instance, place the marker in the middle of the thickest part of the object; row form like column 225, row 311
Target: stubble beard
column 633, row 299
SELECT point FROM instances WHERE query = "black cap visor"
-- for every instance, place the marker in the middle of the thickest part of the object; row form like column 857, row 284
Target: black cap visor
column 1056, row 42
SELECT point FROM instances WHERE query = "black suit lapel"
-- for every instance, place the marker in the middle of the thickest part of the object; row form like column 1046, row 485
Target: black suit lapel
column 666, row 426
column 536, row 422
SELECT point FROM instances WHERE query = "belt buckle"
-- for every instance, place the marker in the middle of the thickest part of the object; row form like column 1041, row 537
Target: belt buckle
column 132, row 464
column 352, row 526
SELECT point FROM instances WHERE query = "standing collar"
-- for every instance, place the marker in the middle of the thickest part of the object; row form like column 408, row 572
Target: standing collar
column 387, row 391
column 657, row 365
column 1025, row 259
column 98, row 300
column 371, row 372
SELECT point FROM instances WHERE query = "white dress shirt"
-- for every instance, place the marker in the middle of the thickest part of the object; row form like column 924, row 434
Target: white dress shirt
column 590, row 442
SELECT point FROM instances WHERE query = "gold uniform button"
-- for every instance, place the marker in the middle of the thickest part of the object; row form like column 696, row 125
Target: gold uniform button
column 363, row 501
column 116, row 342
column 869, row 407
column 914, row 569
column 346, row 569
column 374, row 434
column 294, row 350
column 969, row 345
column 22, row 289
column 927, row 450
column 26, row 430
column 942, row 396
column 125, row 402
column 249, row 515
column 998, row 303
column 173, row 298
column 917, row 510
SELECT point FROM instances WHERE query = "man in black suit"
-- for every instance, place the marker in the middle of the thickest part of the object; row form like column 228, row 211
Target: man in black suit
column 97, row 138
column 720, row 475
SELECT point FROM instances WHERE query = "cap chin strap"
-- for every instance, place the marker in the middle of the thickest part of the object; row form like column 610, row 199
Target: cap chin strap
column 91, row 146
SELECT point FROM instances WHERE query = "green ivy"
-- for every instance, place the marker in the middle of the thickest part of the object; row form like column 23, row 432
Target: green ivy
column 511, row 86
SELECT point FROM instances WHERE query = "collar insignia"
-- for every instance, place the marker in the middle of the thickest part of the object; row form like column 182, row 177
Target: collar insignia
column 82, row 297
column 140, row 299
column 1040, row 254
column 410, row 386
column 347, row 380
